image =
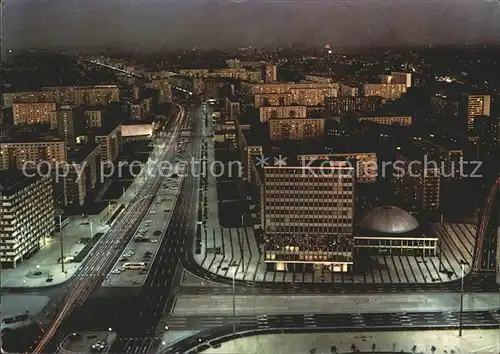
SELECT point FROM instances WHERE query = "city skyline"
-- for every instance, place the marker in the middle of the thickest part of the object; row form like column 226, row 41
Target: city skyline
column 164, row 25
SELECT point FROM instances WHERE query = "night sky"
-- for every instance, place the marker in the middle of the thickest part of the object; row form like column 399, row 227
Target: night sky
column 156, row 25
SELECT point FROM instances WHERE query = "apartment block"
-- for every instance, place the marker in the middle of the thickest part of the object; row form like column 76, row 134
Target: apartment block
column 94, row 116
column 137, row 110
column 32, row 112
column 386, row 119
column 27, row 215
column 387, row 91
column 446, row 153
column 280, row 112
column 28, row 153
column 308, row 216
column 477, row 105
column 87, row 95
column 272, row 99
column 83, row 176
column 70, row 122
column 296, row 128
column 418, row 181
column 342, row 106
column 9, row 98
column 365, row 163
column 110, row 139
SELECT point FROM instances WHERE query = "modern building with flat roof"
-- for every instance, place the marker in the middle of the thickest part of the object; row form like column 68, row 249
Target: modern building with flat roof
column 307, row 215
column 27, row 215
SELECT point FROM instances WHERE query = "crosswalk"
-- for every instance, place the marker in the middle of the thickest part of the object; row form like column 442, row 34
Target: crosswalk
column 142, row 345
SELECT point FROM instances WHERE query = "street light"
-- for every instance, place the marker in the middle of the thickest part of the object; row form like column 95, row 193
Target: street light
column 461, row 302
column 241, row 245
column 91, row 234
column 234, row 304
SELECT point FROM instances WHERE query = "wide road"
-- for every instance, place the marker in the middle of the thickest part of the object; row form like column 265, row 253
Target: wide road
column 402, row 319
column 159, row 291
column 99, row 262
column 299, row 304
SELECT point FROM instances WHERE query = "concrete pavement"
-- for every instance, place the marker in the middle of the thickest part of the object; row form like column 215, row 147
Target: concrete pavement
column 45, row 263
column 298, row 304
column 444, row 341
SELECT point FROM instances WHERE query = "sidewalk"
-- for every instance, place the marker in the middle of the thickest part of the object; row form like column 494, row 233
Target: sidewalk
column 33, row 273
column 457, row 248
column 44, row 264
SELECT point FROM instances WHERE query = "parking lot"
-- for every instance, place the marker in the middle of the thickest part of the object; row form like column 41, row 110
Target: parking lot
column 132, row 267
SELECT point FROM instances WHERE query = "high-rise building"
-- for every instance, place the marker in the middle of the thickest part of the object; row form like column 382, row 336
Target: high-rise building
column 110, row 139
column 32, row 112
column 387, row 91
column 272, row 99
column 296, row 128
column 366, row 163
column 137, row 110
column 281, row 112
column 28, row 153
column 401, row 78
column 308, row 213
column 164, row 89
column 27, row 215
column 9, row 98
column 386, row 119
column 232, row 108
column 87, row 95
column 477, row 105
column 70, row 122
column 94, row 116
column 83, row 176
column 343, row 106
column 418, row 179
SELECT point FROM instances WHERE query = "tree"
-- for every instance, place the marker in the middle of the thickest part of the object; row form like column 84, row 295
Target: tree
column 433, row 349
column 414, row 349
column 374, row 346
column 333, row 349
column 312, row 351
column 353, row 347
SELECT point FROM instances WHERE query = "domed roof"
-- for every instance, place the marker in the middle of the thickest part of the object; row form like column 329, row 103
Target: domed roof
column 389, row 220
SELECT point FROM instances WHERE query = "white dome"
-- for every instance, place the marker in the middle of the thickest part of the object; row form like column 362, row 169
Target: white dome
column 389, row 220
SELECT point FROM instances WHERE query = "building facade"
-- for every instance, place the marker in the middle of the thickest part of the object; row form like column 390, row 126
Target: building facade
column 296, row 128
column 477, row 105
column 365, row 163
column 387, row 91
column 32, row 113
column 27, row 217
column 308, row 216
column 281, row 112
column 342, row 106
column 27, row 154
column 418, row 181
column 110, row 140
column 387, row 120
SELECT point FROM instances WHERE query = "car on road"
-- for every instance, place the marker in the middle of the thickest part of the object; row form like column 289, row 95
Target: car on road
column 116, row 271
column 123, row 259
column 143, row 231
column 166, row 210
column 157, row 233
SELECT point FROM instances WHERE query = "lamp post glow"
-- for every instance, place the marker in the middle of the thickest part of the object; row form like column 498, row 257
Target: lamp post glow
column 241, row 245
column 461, row 303
column 234, row 303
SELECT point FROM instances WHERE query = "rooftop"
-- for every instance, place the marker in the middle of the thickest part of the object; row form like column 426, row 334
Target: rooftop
column 12, row 181
column 104, row 130
column 78, row 153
